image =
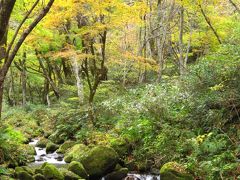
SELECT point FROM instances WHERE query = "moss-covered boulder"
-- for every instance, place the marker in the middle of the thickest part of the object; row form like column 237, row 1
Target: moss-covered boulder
column 51, row 172
column 99, row 161
column 24, row 168
column 69, row 175
column 38, row 171
column 75, row 153
column 39, row 177
column 77, row 168
column 56, row 137
column 174, row 171
column 51, row 147
column 65, row 146
column 117, row 174
column 42, row 143
column 5, row 177
column 121, row 146
column 23, row 173
column 31, row 150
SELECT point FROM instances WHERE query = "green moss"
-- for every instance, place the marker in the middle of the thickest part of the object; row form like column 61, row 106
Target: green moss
column 69, row 175
column 65, row 146
column 24, row 168
column 75, row 153
column 23, row 175
column 77, row 168
column 31, row 150
column 56, row 138
column 173, row 170
column 99, row 161
column 42, row 143
column 68, row 158
column 39, row 177
column 51, row 172
column 51, row 147
column 38, row 171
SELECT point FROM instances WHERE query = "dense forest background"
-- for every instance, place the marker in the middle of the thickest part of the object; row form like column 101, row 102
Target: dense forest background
column 155, row 80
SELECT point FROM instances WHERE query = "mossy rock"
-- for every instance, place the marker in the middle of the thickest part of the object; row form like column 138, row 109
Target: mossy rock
column 39, row 177
column 121, row 147
column 24, row 168
column 51, row 147
column 65, row 146
column 47, row 134
column 99, row 161
column 174, row 171
column 12, row 163
column 38, row 171
column 117, row 175
column 68, row 158
column 31, row 150
column 42, row 143
column 75, row 153
column 77, row 168
column 23, row 175
column 51, row 172
column 30, row 158
column 56, row 138
column 5, row 177
column 69, row 175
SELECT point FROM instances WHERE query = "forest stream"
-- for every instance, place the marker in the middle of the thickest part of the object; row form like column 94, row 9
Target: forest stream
column 57, row 159
column 42, row 156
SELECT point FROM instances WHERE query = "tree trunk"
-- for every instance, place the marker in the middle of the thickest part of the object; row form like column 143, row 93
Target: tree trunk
column 79, row 82
column 24, row 79
column 182, row 67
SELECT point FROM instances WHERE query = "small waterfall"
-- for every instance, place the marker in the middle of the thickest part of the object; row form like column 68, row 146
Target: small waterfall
column 42, row 157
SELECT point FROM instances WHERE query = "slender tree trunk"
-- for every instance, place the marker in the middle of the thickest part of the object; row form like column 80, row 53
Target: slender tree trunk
column 182, row 67
column 24, row 79
column 79, row 82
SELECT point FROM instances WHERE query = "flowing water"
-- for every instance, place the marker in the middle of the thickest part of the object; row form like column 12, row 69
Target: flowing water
column 133, row 176
column 142, row 177
column 42, row 157
column 57, row 159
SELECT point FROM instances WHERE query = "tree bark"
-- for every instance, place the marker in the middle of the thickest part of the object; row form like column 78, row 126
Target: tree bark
column 182, row 65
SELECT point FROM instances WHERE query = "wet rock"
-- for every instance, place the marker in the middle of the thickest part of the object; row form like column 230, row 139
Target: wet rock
column 117, row 175
column 59, row 158
column 77, row 168
column 51, row 147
